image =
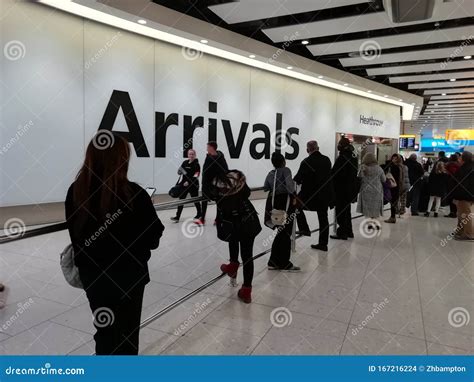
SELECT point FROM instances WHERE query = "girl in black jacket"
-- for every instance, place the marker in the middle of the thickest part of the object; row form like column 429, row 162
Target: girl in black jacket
column 113, row 226
column 190, row 170
column 438, row 185
column 238, row 224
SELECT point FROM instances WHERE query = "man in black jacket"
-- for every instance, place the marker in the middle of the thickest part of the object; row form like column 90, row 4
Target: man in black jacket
column 415, row 174
column 463, row 195
column 214, row 165
column 317, row 192
column 344, row 176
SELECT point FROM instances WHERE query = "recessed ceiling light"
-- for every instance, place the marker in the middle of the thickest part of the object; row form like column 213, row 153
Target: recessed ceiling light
column 289, row 67
column 305, row 42
column 204, row 41
column 400, row 99
column 346, row 84
column 443, row 94
column 385, row 95
column 252, row 56
column 413, row 103
column 453, row 79
column 436, row 104
column 369, row 91
column 320, row 76
column 431, row 111
column 141, row 21
column 467, row 57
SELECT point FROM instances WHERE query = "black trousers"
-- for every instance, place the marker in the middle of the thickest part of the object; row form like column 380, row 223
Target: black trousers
column 414, row 197
column 117, row 321
column 343, row 218
column 394, row 202
column 246, row 253
column 323, row 224
column 281, row 248
column 193, row 191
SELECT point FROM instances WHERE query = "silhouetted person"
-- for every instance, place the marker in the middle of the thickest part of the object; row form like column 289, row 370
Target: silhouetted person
column 415, row 174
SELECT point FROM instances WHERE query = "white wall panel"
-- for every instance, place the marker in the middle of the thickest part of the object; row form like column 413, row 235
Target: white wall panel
column 64, row 82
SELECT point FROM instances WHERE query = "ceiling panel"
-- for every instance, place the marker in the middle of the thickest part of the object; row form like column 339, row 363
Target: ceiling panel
column 454, row 96
column 365, row 22
column 431, row 77
column 393, row 41
column 248, row 10
column 465, row 64
column 425, row 54
column 453, row 101
column 445, row 84
column 451, row 91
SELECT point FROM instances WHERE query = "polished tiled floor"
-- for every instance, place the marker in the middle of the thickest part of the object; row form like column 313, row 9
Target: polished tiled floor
column 398, row 292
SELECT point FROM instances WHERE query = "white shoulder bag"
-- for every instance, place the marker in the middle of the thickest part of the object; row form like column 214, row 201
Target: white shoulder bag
column 70, row 270
column 278, row 216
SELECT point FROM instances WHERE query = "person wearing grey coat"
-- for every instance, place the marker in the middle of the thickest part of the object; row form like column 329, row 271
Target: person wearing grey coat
column 372, row 177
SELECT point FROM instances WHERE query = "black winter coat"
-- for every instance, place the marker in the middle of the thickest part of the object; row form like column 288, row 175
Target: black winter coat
column 464, row 189
column 188, row 170
column 314, row 175
column 438, row 184
column 344, row 176
column 213, row 166
column 415, row 171
column 112, row 254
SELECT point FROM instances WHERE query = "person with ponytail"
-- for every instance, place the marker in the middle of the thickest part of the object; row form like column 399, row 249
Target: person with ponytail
column 113, row 228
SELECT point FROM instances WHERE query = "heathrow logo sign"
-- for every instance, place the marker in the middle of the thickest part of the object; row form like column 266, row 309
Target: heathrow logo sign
column 260, row 146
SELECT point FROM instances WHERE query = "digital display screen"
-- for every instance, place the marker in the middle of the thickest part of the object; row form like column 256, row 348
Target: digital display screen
column 406, row 142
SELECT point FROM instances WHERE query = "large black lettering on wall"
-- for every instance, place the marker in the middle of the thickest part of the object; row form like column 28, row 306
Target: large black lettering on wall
column 121, row 100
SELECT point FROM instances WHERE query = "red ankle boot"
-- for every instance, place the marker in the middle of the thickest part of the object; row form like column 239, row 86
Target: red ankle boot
column 230, row 269
column 245, row 294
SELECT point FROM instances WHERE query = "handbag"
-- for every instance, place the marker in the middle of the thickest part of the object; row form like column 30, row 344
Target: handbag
column 177, row 190
column 391, row 182
column 70, row 270
column 278, row 217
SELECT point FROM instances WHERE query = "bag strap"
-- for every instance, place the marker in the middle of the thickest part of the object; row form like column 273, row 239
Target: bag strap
column 274, row 188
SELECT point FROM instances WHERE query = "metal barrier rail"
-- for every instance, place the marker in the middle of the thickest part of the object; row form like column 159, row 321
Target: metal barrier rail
column 178, row 302
column 60, row 226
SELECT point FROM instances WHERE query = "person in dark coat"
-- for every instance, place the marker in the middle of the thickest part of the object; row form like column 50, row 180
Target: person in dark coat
column 452, row 167
column 189, row 170
column 317, row 192
column 438, row 185
column 395, row 167
column 344, row 177
column 281, row 188
column 238, row 224
column 214, row 166
column 463, row 195
column 415, row 175
column 113, row 226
